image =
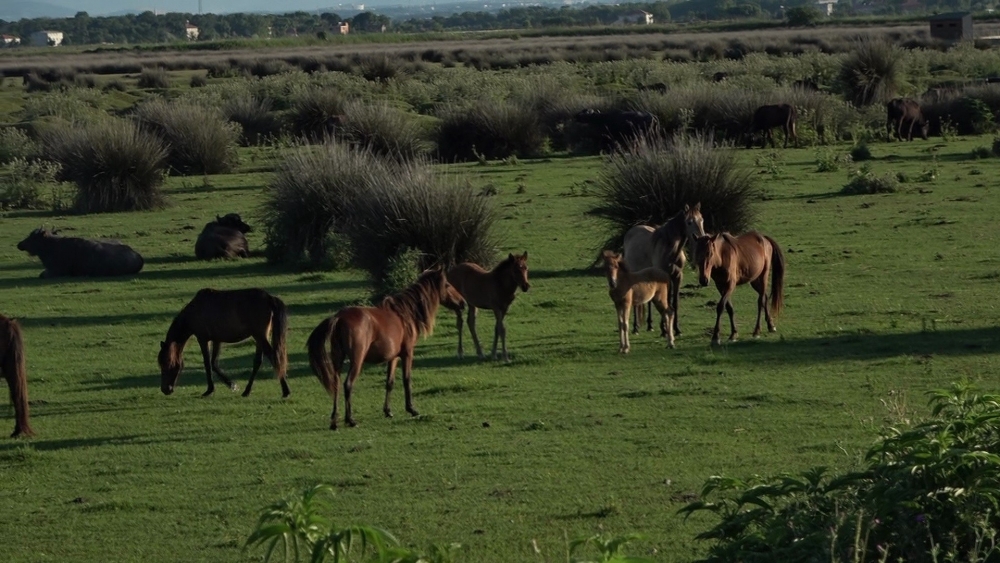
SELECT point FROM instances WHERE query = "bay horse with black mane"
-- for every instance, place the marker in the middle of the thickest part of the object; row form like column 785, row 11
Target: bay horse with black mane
column 375, row 335
column 731, row 261
column 495, row 290
column 12, row 366
column 214, row 317
column 663, row 247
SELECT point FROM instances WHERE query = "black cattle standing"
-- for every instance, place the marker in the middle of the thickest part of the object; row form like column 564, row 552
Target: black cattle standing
column 618, row 127
column 904, row 112
column 69, row 256
column 223, row 238
column 767, row 118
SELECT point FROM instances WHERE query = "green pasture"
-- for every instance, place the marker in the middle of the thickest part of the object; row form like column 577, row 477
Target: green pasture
column 888, row 296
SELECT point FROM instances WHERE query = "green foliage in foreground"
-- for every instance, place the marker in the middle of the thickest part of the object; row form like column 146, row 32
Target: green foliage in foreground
column 928, row 492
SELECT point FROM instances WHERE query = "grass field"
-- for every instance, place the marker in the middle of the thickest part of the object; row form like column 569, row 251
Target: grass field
column 888, row 296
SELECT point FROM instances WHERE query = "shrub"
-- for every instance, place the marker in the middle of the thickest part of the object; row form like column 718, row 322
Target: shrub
column 653, row 180
column 254, row 116
column 153, row 77
column 926, row 492
column 415, row 208
column 14, row 144
column 995, row 148
column 860, row 152
column 379, row 68
column 306, row 202
column 312, row 110
column 115, row 85
column 385, row 130
column 198, row 81
column 981, row 152
column 200, row 140
column 492, row 129
column 830, row 161
column 864, row 181
column 115, row 165
column 802, row 16
column 972, row 116
column 21, row 182
column 872, row 72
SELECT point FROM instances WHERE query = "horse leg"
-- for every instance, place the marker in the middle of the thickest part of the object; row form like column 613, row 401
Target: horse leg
column 662, row 304
column 649, row 318
column 216, row 350
column 338, row 366
column 258, row 359
column 208, row 367
column 673, row 301
column 637, row 313
column 472, row 329
column 760, row 286
column 623, row 343
column 357, row 362
column 390, row 381
column 501, row 329
column 732, row 319
column 407, row 377
column 458, row 324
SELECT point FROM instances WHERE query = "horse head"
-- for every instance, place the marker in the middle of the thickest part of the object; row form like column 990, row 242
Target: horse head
column 706, row 255
column 170, row 367
column 448, row 295
column 519, row 270
column 612, row 264
column 694, row 223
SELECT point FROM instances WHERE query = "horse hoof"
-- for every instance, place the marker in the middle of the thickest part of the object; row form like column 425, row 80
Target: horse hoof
column 388, row 414
column 351, row 422
column 716, row 342
column 772, row 329
column 244, row 393
column 413, row 412
column 208, row 393
column 333, row 426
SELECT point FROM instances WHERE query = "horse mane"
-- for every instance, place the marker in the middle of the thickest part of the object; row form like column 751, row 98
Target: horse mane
column 418, row 303
column 671, row 231
column 505, row 263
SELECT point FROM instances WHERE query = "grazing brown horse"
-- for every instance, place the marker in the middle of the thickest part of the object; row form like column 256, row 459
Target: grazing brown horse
column 375, row 335
column 495, row 290
column 663, row 247
column 627, row 288
column 731, row 261
column 12, row 366
column 214, row 317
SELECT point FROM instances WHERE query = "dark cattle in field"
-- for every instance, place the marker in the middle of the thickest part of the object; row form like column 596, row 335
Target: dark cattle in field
column 904, row 113
column 70, row 256
column 223, row 238
column 720, row 76
column 659, row 87
column 767, row 118
column 618, row 127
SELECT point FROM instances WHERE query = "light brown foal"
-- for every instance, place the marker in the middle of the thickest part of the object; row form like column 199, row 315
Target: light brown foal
column 731, row 261
column 494, row 290
column 651, row 285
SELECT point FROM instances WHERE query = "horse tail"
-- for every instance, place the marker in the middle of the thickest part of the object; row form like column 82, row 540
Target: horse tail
column 777, row 277
column 279, row 335
column 13, row 370
column 319, row 360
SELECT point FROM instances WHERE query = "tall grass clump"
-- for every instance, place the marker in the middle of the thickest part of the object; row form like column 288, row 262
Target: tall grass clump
column 872, row 72
column 255, row 117
column 925, row 492
column 115, row 165
column 419, row 210
column 153, row 77
column 652, row 181
column 311, row 112
column 199, row 139
column 490, row 129
column 306, row 203
column 387, row 131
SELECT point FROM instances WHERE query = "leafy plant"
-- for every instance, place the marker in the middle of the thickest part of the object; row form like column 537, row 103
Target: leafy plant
column 830, row 161
column 15, row 144
column 865, row 181
column 981, row 152
column 608, row 549
column 860, row 152
column 22, row 180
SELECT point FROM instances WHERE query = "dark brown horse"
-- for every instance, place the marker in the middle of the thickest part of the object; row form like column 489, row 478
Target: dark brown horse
column 12, row 366
column 731, row 261
column 494, row 290
column 214, row 317
column 663, row 247
column 374, row 335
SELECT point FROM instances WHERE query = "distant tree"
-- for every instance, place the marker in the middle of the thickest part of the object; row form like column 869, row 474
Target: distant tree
column 802, row 16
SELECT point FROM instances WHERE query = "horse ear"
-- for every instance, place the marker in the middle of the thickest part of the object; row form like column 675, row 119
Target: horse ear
column 687, row 208
column 525, row 255
column 510, row 256
column 697, row 206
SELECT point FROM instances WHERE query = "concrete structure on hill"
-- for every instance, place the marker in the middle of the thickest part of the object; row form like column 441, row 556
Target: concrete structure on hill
column 9, row 40
column 955, row 26
column 46, row 38
column 343, row 28
column 190, row 31
column 826, row 6
column 637, row 17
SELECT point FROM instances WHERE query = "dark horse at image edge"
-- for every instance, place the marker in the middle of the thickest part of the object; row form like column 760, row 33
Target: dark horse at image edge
column 214, row 317
column 375, row 335
column 12, row 366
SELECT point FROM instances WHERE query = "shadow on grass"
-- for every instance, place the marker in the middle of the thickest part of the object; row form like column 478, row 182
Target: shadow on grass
column 866, row 346
column 87, row 320
column 54, row 445
column 570, row 273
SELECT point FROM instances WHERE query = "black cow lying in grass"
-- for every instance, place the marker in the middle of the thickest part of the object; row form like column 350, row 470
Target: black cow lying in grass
column 767, row 118
column 70, row 256
column 223, row 238
column 616, row 126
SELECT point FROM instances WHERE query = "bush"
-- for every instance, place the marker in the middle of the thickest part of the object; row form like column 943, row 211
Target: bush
column 200, row 140
column 198, row 81
column 830, row 161
column 115, row 85
column 14, row 144
column 860, row 152
column 21, row 182
column 981, row 152
column 385, row 130
column 872, row 72
column 153, row 77
column 864, row 181
column 491, row 129
column 254, row 116
column 306, row 202
column 115, row 165
column 800, row 16
column 924, row 493
column 995, row 148
column 415, row 208
column 653, row 180
column 311, row 112
column 379, row 68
